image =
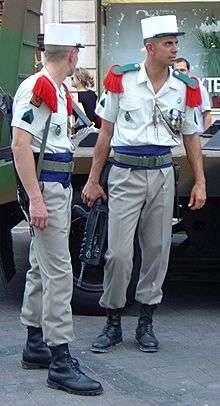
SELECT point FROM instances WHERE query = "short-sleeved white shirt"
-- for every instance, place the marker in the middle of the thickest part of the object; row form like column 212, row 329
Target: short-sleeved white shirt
column 57, row 139
column 132, row 111
column 205, row 106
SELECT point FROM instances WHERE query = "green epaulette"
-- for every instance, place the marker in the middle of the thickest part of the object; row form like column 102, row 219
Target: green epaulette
column 191, row 82
column 129, row 67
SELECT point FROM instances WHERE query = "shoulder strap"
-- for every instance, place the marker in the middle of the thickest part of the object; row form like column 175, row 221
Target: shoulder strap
column 43, row 145
column 191, row 82
column 113, row 79
column 193, row 92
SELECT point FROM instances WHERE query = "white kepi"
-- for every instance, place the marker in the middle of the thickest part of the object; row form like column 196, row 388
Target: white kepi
column 160, row 26
column 62, row 34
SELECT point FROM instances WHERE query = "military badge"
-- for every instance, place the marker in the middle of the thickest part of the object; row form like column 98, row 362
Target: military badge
column 36, row 101
column 58, row 129
column 127, row 116
column 102, row 102
column 28, row 116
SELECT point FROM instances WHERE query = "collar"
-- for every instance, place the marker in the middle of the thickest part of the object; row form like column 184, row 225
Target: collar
column 142, row 77
column 60, row 91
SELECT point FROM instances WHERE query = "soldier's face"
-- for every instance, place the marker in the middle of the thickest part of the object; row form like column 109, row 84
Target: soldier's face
column 164, row 50
column 182, row 67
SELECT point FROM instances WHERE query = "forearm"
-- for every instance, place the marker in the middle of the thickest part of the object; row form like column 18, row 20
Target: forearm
column 207, row 119
column 194, row 155
column 25, row 165
column 101, row 154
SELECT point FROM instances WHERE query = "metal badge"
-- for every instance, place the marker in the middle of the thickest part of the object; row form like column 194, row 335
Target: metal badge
column 127, row 116
column 58, row 129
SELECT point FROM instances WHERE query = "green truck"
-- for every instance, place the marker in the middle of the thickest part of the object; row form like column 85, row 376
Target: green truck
column 19, row 26
column 197, row 233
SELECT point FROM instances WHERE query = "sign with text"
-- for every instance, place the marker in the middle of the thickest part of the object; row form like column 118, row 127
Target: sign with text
column 212, row 84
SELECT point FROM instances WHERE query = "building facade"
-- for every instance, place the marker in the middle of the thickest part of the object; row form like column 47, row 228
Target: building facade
column 111, row 31
column 85, row 13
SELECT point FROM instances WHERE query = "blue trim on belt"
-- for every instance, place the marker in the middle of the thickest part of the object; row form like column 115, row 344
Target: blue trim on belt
column 52, row 176
column 142, row 150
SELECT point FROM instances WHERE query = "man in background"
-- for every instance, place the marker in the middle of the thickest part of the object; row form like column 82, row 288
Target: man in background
column 203, row 116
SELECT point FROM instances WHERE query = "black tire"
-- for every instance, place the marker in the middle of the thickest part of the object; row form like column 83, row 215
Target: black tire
column 203, row 228
column 10, row 215
column 86, row 295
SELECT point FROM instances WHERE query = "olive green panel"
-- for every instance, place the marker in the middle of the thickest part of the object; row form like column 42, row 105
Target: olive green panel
column 5, row 136
column 7, row 182
column 211, row 167
column 20, row 23
column 18, row 39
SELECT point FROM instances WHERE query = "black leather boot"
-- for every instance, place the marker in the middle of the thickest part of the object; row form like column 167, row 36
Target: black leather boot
column 111, row 334
column 36, row 354
column 65, row 374
column 144, row 332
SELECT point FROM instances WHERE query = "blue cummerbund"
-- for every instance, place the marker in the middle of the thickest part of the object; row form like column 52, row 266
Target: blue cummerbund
column 53, row 176
column 142, row 150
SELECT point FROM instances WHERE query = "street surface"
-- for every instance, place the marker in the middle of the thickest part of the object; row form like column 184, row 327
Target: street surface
column 186, row 370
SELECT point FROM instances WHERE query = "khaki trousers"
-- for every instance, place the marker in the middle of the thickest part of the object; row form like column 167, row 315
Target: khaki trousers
column 142, row 198
column 49, row 282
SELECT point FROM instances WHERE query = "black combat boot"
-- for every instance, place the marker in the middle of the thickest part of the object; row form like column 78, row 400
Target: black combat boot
column 36, row 354
column 111, row 334
column 144, row 332
column 65, row 374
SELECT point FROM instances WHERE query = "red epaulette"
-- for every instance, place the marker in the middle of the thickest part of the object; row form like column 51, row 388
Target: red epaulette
column 113, row 80
column 193, row 95
column 45, row 91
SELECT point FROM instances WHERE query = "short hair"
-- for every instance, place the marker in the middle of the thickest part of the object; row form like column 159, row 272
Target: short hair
column 55, row 53
column 152, row 39
column 183, row 60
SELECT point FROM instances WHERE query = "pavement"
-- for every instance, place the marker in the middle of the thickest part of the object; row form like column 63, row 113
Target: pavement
column 185, row 371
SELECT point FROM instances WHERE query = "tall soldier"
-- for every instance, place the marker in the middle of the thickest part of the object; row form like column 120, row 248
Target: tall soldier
column 40, row 116
column 145, row 109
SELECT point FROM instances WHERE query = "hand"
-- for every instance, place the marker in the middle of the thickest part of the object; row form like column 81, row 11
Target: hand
column 198, row 196
column 91, row 192
column 38, row 213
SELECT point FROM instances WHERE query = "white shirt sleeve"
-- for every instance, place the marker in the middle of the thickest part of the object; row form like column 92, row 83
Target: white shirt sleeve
column 25, row 115
column 190, row 126
column 108, row 106
column 205, row 106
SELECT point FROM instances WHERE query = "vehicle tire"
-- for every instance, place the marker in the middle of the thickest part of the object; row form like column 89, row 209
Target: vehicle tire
column 203, row 228
column 10, row 215
column 86, row 295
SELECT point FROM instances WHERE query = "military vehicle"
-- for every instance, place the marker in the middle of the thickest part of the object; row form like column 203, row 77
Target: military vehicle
column 196, row 235
column 19, row 26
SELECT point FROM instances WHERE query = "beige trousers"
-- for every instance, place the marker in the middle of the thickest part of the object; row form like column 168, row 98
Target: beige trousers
column 49, row 282
column 142, row 198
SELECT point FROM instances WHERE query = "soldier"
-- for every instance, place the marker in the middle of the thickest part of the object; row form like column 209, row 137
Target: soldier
column 41, row 109
column 144, row 109
column 203, row 116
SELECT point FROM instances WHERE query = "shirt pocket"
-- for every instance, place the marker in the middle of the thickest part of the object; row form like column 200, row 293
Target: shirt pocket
column 58, row 125
column 130, row 115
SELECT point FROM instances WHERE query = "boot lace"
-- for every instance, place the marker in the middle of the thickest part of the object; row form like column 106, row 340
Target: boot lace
column 73, row 363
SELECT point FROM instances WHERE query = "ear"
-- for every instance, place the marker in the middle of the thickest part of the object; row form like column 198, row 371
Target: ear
column 71, row 55
column 149, row 47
